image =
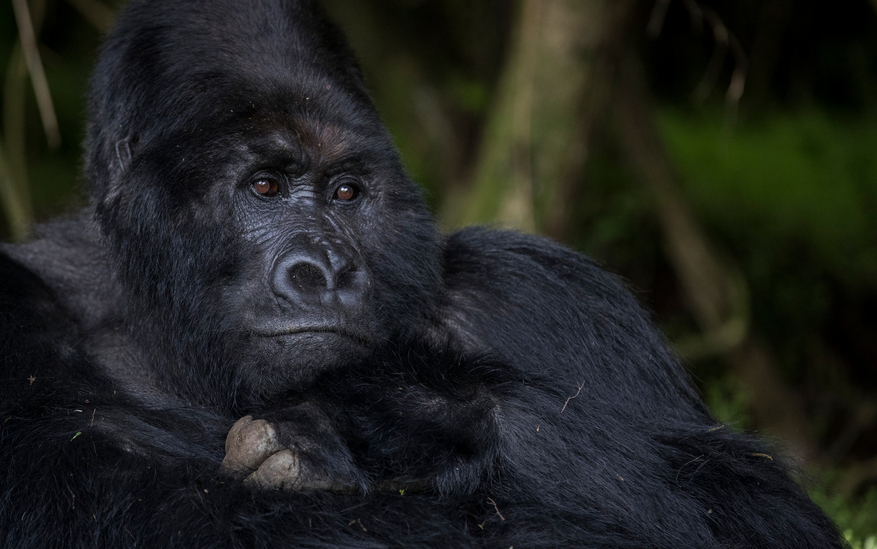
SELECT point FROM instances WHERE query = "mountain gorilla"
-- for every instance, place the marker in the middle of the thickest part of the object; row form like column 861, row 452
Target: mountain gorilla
column 255, row 337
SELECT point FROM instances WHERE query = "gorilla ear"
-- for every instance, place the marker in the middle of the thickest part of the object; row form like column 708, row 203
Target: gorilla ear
column 123, row 154
column 115, row 168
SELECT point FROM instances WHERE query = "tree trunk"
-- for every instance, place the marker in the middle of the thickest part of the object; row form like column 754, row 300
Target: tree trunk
column 551, row 94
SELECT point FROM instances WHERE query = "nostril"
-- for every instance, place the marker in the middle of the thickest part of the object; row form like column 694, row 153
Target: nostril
column 306, row 276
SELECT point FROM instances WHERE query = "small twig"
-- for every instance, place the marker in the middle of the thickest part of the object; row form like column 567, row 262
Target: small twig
column 725, row 41
column 572, row 397
column 37, row 74
column 496, row 508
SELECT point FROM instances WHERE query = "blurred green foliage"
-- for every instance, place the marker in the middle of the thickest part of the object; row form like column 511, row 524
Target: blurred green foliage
column 857, row 519
column 801, row 177
column 68, row 45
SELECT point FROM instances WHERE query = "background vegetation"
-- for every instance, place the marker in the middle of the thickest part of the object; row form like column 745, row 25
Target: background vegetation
column 719, row 154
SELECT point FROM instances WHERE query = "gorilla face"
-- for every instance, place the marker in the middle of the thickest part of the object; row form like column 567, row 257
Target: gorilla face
column 307, row 299
column 271, row 231
column 314, row 206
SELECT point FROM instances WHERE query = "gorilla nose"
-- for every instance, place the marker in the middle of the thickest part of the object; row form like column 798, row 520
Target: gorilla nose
column 317, row 277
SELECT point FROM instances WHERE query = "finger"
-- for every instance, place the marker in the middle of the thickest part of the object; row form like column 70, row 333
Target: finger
column 281, row 471
column 248, row 444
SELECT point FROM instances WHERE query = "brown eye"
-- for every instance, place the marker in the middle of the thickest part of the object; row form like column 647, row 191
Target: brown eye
column 346, row 192
column 266, row 187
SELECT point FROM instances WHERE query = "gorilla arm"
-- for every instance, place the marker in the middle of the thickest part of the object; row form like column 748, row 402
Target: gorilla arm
column 581, row 413
column 83, row 463
column 414, row 417
column 603, row 426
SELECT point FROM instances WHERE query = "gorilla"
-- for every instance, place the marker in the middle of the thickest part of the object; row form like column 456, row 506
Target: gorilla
column 255, row 336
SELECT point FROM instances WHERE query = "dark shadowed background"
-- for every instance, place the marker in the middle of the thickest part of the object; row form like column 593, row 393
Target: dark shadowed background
column 721, row 155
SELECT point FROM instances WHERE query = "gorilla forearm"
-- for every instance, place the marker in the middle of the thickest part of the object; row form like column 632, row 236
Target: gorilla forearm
column 123, row 500
column 428, row 422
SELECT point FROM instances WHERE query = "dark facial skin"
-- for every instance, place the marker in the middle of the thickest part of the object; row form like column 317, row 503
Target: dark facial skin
column 305, row 299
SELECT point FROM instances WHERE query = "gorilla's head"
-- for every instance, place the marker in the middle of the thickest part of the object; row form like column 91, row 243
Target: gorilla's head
column 253, row 203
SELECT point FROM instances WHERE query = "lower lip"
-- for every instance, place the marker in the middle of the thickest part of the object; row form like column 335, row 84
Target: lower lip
column 314, row 331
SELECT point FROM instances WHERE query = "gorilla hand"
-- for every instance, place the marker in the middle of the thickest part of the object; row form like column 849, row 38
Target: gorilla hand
column 269, row 455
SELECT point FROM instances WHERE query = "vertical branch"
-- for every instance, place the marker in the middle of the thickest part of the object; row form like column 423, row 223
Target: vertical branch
column 15, row 194
column 517, row 209
column 502, row 179
column 13, row 175
column 37, row 73
column 15, row 209
column 589, row 112
column 535, row 142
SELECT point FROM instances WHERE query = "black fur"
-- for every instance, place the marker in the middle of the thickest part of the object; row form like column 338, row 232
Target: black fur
column 480, row 389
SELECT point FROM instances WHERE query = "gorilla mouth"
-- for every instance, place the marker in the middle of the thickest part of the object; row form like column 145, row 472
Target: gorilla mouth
column 359, row 337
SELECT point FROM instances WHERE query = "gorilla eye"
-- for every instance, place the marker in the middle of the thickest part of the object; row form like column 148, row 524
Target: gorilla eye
column 266, row 187
column 346, row 192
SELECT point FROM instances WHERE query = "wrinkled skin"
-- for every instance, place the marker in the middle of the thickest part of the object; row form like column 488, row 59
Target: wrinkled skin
column 255, row 336
column 254, row 452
